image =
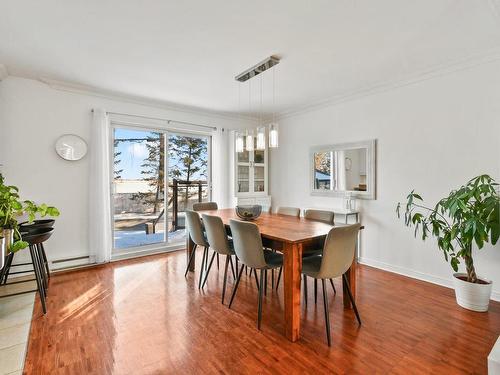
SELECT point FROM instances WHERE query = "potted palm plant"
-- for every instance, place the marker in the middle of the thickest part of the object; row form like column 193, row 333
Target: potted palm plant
column 11, row 207
column 466, row 219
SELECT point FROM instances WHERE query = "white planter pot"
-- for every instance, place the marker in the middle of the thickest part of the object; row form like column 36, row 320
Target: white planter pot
column 475, row 297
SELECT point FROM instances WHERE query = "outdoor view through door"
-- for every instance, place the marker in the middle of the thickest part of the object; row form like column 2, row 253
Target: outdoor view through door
column 144, row 161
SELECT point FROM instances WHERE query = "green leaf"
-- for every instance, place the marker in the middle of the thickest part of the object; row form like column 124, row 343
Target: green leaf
column 19, row 245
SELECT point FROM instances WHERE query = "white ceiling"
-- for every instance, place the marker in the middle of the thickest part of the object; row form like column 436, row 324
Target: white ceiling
column 188, row 52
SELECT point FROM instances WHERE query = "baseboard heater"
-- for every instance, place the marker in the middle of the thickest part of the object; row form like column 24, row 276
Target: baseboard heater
column 75, row 262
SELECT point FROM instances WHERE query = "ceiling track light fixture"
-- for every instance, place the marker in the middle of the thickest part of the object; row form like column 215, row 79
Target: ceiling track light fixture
column 246, row 142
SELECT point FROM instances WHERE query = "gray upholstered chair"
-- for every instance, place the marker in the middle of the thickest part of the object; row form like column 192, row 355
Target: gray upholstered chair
column 248, row 247
column 319, row 215
column 220, row 244
column 338, row 254
column 290, row 211
column 195, row 231
column 205, row 206
column 325, row 217
column 316, row 215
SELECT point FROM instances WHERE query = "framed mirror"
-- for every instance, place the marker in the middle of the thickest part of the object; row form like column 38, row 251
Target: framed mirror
column 71, row 147
column 345, row 167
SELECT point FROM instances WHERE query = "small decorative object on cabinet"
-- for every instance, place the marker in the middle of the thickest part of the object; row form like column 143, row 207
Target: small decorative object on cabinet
column 469, row 217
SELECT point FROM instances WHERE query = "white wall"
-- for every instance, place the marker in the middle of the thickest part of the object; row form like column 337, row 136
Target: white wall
column 432, row 136
column 32, row 117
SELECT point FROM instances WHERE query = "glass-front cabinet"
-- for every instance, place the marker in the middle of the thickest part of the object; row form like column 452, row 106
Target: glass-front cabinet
column 251, row 172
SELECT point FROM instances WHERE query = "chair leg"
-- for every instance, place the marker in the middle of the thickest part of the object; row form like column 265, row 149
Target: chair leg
column 45, row 261
column 206, row 261
column 315, row 291
column 279, row 277
column 38, row 277
column 203, row 265
column 256, row 280
column 7, row 266
column 232, row 267
column 327, row 313
column 228, row 259
column 305, row 290
column 351, row 298
column 191, row 257
column 41, row 263
column 235, row 288
column 208, row 269
column 333, row 286
column 272, row 279
column 217, row 260
column 265, row 282
column 259, row 316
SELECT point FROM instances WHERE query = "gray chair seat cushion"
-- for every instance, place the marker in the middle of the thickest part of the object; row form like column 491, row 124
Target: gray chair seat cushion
column 311, row 265
column 273, row 260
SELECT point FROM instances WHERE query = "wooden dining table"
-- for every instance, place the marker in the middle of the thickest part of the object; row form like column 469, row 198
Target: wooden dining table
column 292, row 236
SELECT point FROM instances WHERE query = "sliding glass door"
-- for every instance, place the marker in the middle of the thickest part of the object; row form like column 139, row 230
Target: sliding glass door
column 157, row 175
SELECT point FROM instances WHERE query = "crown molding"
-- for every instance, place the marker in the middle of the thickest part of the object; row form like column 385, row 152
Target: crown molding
column 383, row 86
column 3, row 72
column 82, row 89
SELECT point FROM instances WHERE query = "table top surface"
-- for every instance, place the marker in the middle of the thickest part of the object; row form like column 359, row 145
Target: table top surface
column 283, row 228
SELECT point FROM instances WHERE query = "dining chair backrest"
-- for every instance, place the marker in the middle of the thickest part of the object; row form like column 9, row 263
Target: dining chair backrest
column 194, row 228
column 205, row 206
column 247, row 243
column 290, row 211
column 320, row 215
column 338, row 251
column 216, row 234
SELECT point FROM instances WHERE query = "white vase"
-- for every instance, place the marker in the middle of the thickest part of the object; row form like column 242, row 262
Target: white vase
column 472, row 296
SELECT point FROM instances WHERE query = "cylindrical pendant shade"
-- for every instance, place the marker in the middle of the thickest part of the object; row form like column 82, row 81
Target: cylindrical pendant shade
column 249, row 143
column 261, row 138
column 239, row 143
column 273, row 135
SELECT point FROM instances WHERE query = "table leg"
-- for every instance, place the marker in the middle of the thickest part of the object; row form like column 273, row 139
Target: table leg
column 292, row 269
column 351, row 277
column 189, row 250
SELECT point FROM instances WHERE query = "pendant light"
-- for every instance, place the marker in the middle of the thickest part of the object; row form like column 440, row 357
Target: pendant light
column 273, row 127
column 246, row 141
column 250, row 141
column 239, row 142
column 261, row 130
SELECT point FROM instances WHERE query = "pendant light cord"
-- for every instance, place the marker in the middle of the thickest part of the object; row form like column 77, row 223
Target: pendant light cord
column 274, row 94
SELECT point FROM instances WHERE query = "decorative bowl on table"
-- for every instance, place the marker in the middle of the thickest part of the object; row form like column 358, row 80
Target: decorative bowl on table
column 248, row 212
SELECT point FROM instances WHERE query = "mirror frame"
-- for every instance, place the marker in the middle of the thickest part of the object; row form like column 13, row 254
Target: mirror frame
column 370, row 146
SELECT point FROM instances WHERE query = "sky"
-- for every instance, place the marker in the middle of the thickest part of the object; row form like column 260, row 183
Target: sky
column 133, row 153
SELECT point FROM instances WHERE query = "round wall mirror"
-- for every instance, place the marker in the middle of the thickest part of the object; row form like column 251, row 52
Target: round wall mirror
column 71, row 147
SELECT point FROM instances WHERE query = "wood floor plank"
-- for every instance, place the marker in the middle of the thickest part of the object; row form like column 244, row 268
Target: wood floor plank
column 142, row 316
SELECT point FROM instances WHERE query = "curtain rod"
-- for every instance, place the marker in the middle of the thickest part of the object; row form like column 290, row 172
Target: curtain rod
column 161, row 119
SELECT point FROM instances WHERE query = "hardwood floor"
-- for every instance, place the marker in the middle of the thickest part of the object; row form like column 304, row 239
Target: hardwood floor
column 142, row 316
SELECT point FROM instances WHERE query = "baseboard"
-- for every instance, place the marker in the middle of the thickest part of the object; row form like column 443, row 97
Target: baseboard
column 145, row 252
column 448, row 283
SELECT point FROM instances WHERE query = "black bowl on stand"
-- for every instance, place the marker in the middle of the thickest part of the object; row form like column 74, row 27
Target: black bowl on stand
column 248, row 212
